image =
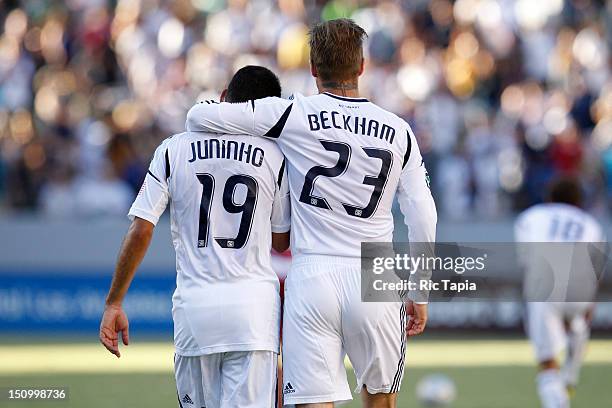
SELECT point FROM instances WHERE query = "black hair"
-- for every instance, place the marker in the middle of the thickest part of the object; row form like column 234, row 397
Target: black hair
column 565, row 190
column 252, row 82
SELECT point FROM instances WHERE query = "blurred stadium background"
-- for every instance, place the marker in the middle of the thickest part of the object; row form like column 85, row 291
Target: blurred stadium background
column 503, row 96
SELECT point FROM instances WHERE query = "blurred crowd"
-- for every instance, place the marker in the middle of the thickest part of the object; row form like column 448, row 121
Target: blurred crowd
column 503, row 95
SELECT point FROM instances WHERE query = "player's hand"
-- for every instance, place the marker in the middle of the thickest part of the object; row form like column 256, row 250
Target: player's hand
column 114, row 321
column 417, row 318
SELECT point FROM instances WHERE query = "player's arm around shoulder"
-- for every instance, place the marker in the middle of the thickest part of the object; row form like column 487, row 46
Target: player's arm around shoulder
column 262, row 117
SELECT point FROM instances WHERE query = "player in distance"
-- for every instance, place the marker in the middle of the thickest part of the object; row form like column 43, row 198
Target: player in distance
column 555, row 326
column 347, row 159
column 229, row 206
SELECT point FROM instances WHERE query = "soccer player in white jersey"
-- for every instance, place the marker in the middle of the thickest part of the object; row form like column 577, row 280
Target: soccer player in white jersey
column 347, row 159
column 554, row 327
column 229, row 205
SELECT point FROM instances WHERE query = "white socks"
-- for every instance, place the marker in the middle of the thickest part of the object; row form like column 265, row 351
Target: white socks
column 578, row 337
column 551, row 388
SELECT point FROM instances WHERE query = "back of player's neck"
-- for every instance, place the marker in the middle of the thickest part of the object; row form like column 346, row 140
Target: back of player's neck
column 349, row 89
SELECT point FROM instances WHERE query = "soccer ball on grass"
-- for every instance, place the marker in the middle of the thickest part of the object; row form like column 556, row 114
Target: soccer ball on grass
column 436, row 390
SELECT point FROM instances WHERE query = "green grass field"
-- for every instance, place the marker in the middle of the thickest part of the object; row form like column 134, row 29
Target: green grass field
column 488, row 374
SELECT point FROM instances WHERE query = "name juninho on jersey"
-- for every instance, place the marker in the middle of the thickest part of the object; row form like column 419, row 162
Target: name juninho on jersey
column 215, row 148
column 355, row 124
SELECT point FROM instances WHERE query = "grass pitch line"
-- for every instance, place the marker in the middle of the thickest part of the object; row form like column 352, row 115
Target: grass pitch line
column 157, row 357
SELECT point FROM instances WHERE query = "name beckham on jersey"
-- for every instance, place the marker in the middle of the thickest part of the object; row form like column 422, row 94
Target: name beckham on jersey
column 354, row 124
column 215, row 148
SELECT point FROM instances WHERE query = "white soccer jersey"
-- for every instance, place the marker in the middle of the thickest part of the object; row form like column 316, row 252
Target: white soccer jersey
column 556, row 222
column 557, row 273
column 346, row 159
column 228, row 194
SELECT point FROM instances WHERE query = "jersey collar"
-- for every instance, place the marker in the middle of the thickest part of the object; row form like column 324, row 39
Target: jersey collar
column 346, row 98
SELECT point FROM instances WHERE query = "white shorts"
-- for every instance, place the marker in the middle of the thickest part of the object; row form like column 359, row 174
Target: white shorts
column 227, row 380
column 324, row 320
column 546, row 326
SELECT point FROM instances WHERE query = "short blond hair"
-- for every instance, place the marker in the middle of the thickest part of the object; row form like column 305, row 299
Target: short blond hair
column 336, row 49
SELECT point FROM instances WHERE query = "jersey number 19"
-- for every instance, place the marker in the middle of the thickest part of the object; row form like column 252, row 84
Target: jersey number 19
column 247, row 208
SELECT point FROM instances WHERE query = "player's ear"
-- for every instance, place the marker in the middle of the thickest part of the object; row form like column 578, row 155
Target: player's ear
column 361, row 68
column 223, row 95
column 313, row 70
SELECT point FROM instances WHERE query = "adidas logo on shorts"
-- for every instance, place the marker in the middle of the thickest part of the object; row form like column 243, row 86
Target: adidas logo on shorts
column 187, row 400
column 288, row 389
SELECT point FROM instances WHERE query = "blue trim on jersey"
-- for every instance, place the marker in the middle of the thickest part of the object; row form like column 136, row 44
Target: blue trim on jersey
column 178, row 397
column 344, row 98
column 397, row 379
column 277, row 129
column 408, row 150
column 153, row 175
column 167, row 165
column 281, row 172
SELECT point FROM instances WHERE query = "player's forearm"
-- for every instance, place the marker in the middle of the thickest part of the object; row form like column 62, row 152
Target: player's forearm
column 262, row 117
column 280, row 241
column 209, row 117
column 421, row 218
column 133, row 250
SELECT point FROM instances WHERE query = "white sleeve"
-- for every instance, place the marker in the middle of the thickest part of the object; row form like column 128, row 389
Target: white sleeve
column 419, row 210
column 521, row 235
column 152, row 199
column 521, row 228
column 281, row 207
column 262, row 117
